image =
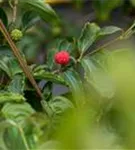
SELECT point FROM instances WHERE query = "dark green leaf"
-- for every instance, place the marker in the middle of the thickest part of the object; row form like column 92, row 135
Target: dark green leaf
column 29, row 19
column 3, row 16
column 88, row 36
column 17, row 84
column 47, row 90
column 65, row 45
column 42, row 9
column 5, row 50
column 50, row 58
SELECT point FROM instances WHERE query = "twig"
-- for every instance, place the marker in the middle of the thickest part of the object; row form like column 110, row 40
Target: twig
column 17, row 54
column 15, row 10
column 105, row 45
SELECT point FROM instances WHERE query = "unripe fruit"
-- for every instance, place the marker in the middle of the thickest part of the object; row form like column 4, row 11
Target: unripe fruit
column 62, row 57
column 16, row 34
column 56, row 31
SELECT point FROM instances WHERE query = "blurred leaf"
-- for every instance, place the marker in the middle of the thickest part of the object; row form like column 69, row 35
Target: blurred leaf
column 17, row 112
column 78, row 3
column 3, row 16
column 17, row 84
column 97, row 75
column 29, row 19
column 49, row 145
column 103, row 8
column 133, row 2
column 42, row 9
column 56, row 108
column 88, row 36
column 10, row 97
column 109, row 30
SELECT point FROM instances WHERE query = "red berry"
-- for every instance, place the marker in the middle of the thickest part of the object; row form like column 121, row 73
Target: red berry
column 62, row 57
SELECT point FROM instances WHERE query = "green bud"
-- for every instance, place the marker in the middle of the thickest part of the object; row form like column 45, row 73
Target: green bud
column 16, row 34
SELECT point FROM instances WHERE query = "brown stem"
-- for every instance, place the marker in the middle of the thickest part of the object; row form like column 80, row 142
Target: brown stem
column 17, row 54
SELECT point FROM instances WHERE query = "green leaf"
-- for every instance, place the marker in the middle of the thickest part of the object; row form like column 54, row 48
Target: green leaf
column 42, row 9
column 47, row 90
column 3, row 125
column 14, row 137
column 10, row 97
column 96, row 74
column 56, row 108
column 29, row 19
column 17, row 84
column 88, row 36
column 5, row 50
column 50, row 58
column 44, row 75
column 60, row 104
column 17, row 112
column 132, row 2
column 65, row 45
column 109, row 30
column 9, row 65
column 3, row 16
column 3, row 65
column 76, row 86
column 103, row 8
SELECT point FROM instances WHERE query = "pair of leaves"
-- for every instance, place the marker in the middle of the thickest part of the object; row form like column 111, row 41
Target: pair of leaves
column 91, row 32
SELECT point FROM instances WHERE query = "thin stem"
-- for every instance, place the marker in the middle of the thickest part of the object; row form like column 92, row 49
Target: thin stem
column 13, row 4
column 21, row 133
column 17, row 54
column 130, row 29
column 15, row 10
column 106, row 45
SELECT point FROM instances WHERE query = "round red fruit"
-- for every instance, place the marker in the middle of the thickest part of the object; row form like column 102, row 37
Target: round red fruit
column 62, row 57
